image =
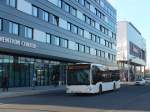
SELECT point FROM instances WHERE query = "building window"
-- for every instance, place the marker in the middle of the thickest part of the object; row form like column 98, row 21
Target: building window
column 98, row 13
column 81, row 48
column 55, row 40
column 71, row 45
column 90, row 37
column 87, row 4
column 102, row 41
column 87, row 34
column 106, row 31
column 0, row 24
column 77, row 46
column 98, row 39
column 80, row 32
column 48, row 38
column 115, row 58
column 98, row 1
column 66, row 7
column 93, row 51
column 73, row 11
column 109, row 56
column 82, row 2
column 93, row 37
column 77, row 0
column 84, row 17
column 60, row 3
column 55, row 20
column 93, row 23
column 64, row 43
column 88, row 20
column 13, row 28
column 102, row 54
column 12, row 3
column 102, row 29
column 110, row 45
column 113, row 35
column 34, row 11
column 45, row 16
column 69, row 26
column 87, row 49
column 102, row 16
column 98, row 53
column 106, row 43
column 28, row 32
column 74, row 29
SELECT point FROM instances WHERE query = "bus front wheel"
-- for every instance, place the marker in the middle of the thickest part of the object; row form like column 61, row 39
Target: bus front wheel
column 100, row 89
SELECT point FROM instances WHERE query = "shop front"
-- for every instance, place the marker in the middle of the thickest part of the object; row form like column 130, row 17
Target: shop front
column 21, row 70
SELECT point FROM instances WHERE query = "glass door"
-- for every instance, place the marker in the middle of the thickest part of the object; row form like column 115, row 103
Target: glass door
column 39, row 70
column 17, row 70
column 11, row 73
column 1, row 69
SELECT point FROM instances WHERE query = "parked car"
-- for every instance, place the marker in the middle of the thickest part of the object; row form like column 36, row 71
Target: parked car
column 147, row 80
column 140, row 81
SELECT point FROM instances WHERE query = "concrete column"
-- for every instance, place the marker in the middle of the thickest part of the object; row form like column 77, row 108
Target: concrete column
column 134, row 72
column 144, row 71
column 128, row 70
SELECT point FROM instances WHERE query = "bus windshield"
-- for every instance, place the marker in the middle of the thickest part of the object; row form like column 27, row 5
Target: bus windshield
column 78, row 75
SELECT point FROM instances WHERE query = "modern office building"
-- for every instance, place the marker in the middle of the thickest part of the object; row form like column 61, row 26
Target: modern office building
column 38, row 35
column 131, row 50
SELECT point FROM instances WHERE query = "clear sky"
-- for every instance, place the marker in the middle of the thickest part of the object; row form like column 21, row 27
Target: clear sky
column 138, row 12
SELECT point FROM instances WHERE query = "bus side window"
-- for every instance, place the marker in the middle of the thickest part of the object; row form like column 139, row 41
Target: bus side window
column 96, row 75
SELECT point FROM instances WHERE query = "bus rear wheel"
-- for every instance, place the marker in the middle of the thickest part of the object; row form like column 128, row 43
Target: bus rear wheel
column 100, row 89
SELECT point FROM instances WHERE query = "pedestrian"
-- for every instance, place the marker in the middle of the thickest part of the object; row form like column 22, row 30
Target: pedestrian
column 5, row 83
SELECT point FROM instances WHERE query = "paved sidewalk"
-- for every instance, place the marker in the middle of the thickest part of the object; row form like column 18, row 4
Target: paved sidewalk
column 22, row 91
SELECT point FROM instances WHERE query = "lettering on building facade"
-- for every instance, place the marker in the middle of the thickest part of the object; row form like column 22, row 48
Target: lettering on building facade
column 17, row 42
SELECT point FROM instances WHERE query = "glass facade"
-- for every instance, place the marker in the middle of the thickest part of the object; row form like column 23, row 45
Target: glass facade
column 21, row 70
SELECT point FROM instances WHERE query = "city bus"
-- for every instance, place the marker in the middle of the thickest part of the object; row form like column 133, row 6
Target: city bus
column 91, row 78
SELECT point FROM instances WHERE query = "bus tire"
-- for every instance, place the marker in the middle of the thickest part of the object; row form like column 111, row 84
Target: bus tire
column 100, row 89
column 114, row 87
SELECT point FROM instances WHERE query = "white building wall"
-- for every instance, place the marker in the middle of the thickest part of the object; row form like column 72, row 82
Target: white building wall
column 122, row 41
column 126, row 34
